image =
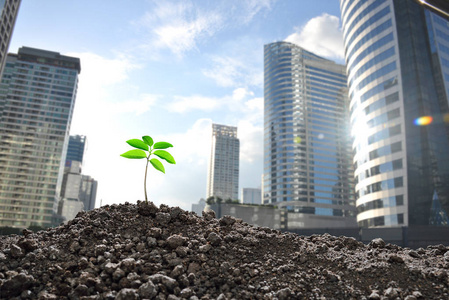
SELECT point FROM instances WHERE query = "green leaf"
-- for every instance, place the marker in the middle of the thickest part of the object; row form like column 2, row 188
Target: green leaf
column 165, row 155
column 157, row 165
column 138, row 144
column 134, row 154
column 148, row 140
column 162, row 145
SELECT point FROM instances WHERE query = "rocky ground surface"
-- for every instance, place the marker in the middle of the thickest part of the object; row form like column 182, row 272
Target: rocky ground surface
column 138, row 251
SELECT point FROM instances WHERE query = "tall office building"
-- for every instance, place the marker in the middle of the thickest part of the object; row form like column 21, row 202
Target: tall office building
column 397, row 55
column 223, row 175
column 37, row 97
column 307, row 152
column 77, row 148
column 9, row 10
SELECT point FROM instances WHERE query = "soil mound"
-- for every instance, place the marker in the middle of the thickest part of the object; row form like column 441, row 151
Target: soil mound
column 142, row 251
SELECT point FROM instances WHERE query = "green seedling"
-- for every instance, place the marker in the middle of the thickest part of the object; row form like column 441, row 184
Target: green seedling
column 146, row 144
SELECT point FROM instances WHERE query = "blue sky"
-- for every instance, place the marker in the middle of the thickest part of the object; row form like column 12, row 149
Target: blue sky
column 169, row 69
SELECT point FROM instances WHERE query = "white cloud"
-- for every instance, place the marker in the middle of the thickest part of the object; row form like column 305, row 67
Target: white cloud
column 241, row 101
column 231, row 72
column 182, row 36
column 225, row 71
column 183, row 104
column 241, row 93
column 104, row 91
column 253, row 7
column 251, row 141
column 98, row 71
column 179, row 26
column 321, row 35
column 137, row 107
column 255, row 104
column 194, row 144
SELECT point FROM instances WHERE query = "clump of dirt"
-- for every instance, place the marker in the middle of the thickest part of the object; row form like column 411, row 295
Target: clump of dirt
column 142, row 251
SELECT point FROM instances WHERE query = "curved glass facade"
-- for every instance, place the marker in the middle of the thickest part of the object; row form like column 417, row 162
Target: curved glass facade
column 396, row 74
column 308, row 166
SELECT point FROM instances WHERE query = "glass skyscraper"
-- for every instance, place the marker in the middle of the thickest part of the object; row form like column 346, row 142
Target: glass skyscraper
column 397, row 55
column 77, row 147
column 307, row 154
column 8, row 10
column 223, row 174
column 37, row 97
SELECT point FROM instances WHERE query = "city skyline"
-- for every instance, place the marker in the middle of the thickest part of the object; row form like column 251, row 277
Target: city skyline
column 153, row 63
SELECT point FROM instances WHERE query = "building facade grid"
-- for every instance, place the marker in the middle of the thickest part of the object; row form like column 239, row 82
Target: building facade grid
column 396, row 74
column 9, row 10
column 307, row 154
column 223, row 173
column 37, row 97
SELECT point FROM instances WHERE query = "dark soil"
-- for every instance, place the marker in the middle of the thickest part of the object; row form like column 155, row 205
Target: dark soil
column 144, row 252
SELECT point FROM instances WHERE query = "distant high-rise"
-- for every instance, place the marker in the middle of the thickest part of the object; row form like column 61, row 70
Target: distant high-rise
column 78, row 188
column 307, row 152
column 199, row 207
column 251, row 196
column 88, row 192
column 77, row 147
column 37, row 97
column 397, row 55
column 9, row 10
column 223, row 175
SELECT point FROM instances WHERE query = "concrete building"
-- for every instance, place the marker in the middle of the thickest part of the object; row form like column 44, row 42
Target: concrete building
column 257, row 215
column 199, row 207
column 397, row 55
column 251, row 196
column 223, row 173
column 9, row 10
column 37, row 97
column 69, row 208
column 308, row 166
column 71, row 182
column 76, row 187
column 84, row 186
column 88, row 192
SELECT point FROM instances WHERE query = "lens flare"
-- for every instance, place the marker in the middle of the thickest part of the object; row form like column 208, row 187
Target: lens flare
column 297, row 140
column 423, row 121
